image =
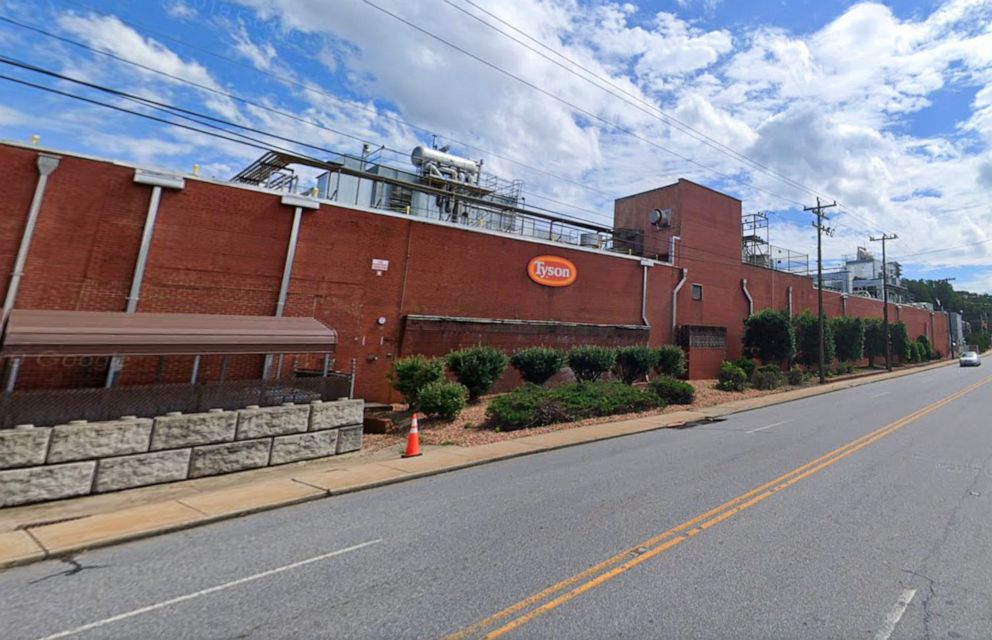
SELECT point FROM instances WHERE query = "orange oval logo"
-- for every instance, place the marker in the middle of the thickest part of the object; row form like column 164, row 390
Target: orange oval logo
column 552, row 271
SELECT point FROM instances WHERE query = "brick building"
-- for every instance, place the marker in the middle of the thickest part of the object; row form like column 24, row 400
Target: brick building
column 389, row 284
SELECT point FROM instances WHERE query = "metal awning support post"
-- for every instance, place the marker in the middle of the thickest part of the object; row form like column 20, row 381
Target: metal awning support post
column 196, row 369
column 15, row 365
column 223, row 368
column 327, row 364
column 300, row 203
column 157, row 181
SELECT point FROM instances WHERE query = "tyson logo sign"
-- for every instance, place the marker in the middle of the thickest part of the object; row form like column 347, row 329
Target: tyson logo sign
column 552, row 271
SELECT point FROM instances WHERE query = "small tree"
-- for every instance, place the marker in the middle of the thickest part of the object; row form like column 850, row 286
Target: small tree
column 874, row 340
column 769, row 335
column 670, row 361
column 478, row 368
column 537, row 364
column 634, row 363
column 808, row 340
column 590, row 362
column 899, row 339
column 849, row 338
column 411, row 374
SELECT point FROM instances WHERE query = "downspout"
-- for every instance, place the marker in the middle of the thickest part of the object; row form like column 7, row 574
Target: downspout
column 46, row 166
column 747, row 294
column 790, row 302
column 157, row 181
column 671, row 249
column 675, row 300
column 843, row 302
column 646, row 264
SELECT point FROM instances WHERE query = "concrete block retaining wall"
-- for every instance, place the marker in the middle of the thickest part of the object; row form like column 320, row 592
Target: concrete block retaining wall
column 49, row 463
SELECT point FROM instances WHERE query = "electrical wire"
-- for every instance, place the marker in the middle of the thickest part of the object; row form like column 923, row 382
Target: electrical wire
column 285, row 80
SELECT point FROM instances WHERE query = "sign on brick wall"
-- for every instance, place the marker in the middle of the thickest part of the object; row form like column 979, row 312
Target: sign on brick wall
column 552, row 271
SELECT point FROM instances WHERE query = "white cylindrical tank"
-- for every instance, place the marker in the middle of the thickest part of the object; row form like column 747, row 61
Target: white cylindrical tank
column 422, row 155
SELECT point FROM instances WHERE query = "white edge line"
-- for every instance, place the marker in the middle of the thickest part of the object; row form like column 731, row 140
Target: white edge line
column 769, row 426
column 895, row 615
column 203, row 592
column 879, row 395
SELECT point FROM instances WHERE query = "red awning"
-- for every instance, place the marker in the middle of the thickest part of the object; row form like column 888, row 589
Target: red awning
column 33, row 332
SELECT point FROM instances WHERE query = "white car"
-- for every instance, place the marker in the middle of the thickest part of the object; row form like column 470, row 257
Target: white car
column 970, row 359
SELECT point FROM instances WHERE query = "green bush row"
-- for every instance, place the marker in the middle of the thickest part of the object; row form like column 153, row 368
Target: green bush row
column 531, row 405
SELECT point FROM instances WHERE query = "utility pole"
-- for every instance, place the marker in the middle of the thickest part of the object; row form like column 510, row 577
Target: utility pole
column 885, row 298
column 820, row 230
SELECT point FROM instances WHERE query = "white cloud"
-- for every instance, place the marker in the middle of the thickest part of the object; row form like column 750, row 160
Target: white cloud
column 108, row 33
column 831, row 110
column 180, row 10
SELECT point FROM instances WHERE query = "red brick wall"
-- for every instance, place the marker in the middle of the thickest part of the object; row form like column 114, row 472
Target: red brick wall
column 220, row 249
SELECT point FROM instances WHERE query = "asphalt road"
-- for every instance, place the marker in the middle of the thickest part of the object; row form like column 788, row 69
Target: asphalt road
column 865, row 513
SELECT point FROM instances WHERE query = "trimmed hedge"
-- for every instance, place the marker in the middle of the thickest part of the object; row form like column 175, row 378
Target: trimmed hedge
column 673, row 391
column 634, row 363
column 769, row 335
column 442, row 399
column 767, row 377
column 478, row 368
column 411, row 374
column 807, row 328
column 537, row 364
column 670, row 361
column 532, row 406
column 747, row 365
column 731, row 378
column 589, row 362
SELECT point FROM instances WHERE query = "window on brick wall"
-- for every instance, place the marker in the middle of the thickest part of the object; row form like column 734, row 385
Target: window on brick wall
column 697, row 292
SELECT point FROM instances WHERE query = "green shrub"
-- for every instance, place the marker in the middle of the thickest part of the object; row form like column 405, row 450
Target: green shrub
column 899, row 338
column 588, row 363
column 478, row 368
column 874, row 340
column 411, row 374
column 731, row 378
column 747, row 365
column 981, row 339
column 926, row 353
column 670, row 361
column 770, row 336
column 537, row 364
column 517, row 409
column 796, row 376
column 808, row 340
column 915, row 352
column 842, row 368
column 673, row 391
column 531, row 406
column 442, row 399
column 849, row 337
column 767, row 377
column 634, row 363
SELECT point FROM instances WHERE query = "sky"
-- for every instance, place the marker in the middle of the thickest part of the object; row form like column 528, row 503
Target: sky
column 885, row 108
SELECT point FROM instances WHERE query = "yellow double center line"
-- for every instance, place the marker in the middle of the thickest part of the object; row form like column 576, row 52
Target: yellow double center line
column 561, row 592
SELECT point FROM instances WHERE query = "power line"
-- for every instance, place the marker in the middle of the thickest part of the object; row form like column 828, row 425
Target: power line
column 571, row 105
column 282, row 79
column 375, row 112
column 652, row 110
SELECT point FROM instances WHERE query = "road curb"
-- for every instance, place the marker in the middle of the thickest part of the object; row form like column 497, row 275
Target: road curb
column 393, row 472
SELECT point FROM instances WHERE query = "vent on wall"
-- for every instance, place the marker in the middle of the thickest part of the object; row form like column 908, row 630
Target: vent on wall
column 661, row 217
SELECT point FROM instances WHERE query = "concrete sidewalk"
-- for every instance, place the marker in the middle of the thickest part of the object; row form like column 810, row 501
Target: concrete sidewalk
column 35, row 532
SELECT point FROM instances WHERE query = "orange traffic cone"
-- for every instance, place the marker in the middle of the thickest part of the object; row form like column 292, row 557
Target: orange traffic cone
column 413, row 440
